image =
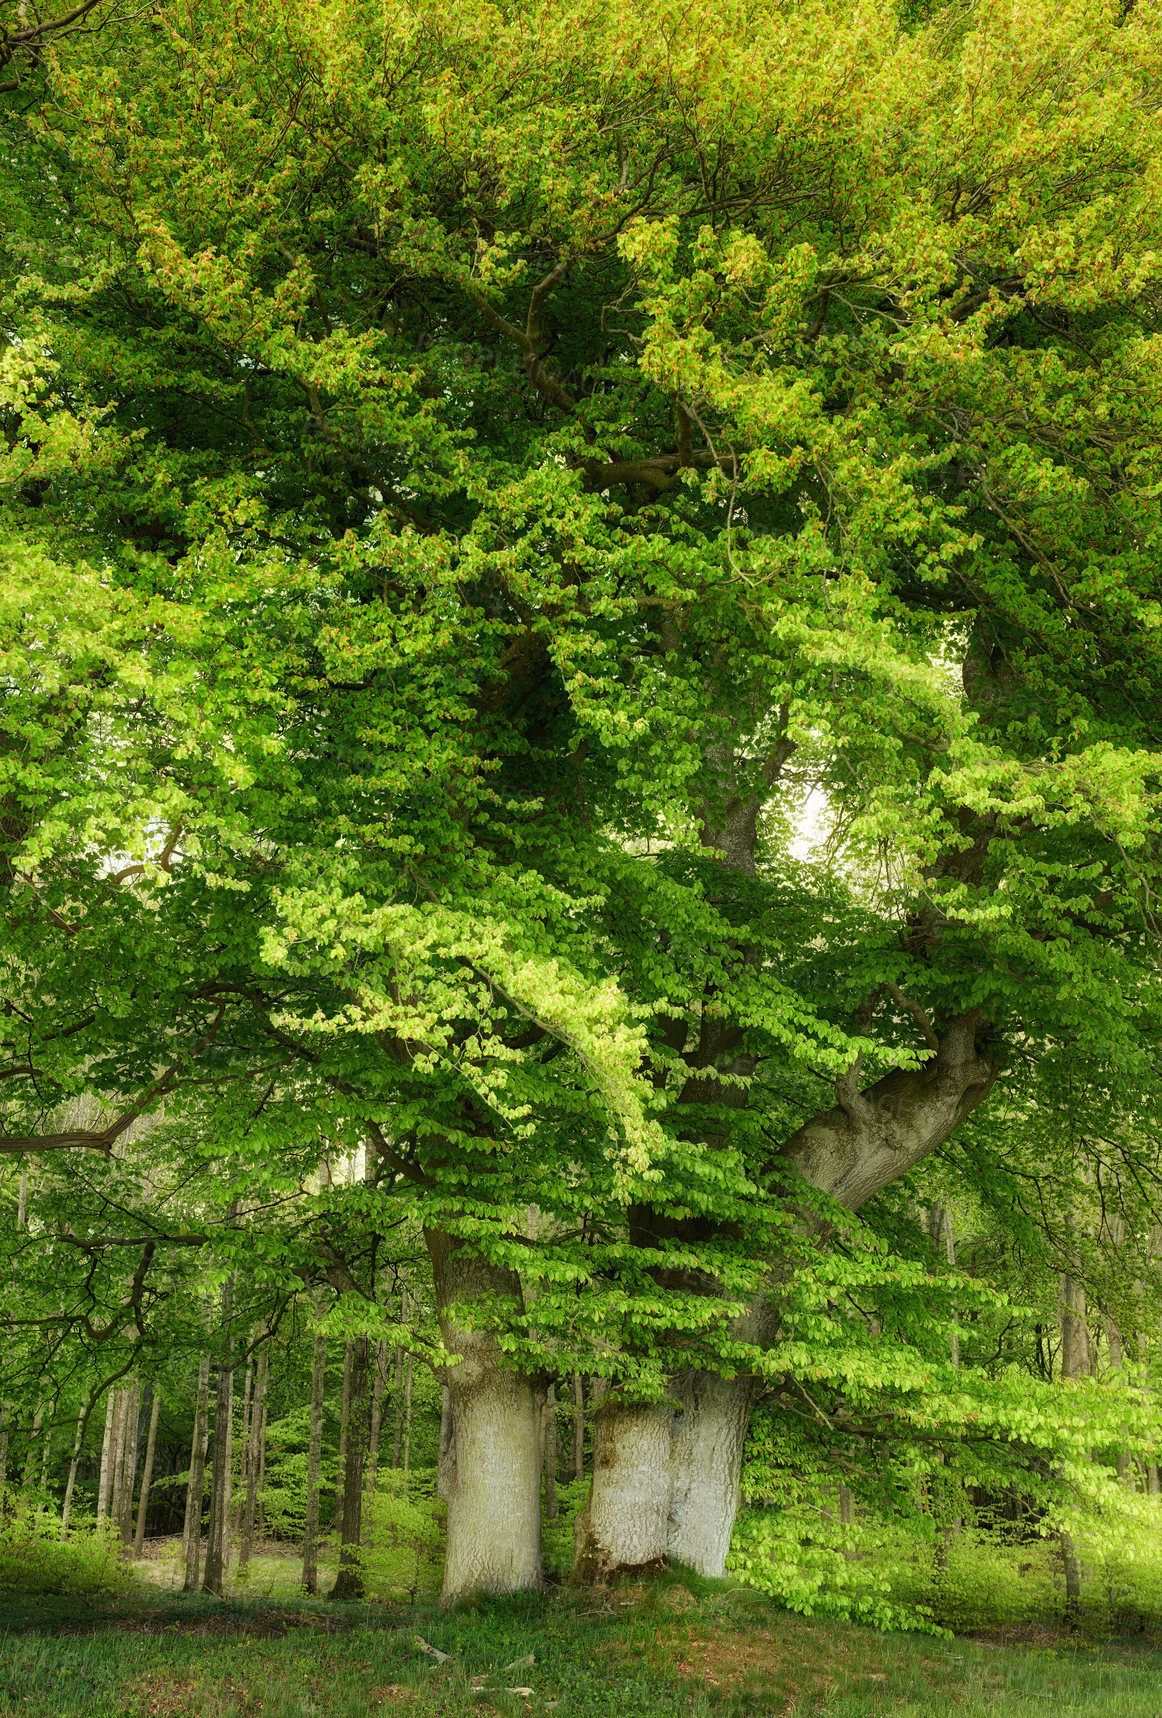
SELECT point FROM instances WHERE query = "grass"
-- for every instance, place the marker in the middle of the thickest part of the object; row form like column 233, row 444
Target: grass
column 656, row 1651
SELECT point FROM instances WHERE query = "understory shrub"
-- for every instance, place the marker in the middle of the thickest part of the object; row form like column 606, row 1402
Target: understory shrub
column 34, row 1560
column 909, row 1573
column 403, row 1535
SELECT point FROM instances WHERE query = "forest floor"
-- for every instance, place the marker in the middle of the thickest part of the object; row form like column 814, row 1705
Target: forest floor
column 653, row 1651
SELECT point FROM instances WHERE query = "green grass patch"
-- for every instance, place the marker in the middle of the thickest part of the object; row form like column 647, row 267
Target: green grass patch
column 664, row 1649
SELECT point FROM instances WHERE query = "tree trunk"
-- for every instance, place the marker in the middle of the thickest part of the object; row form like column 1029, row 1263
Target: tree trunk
column 706, row 1467
column 314, row 1465
column 197, row 1483
column 1075, row 1356
column 252, row 1456
column 106, row 1448
column 117, row 1459
column 147, row 1474
column 1075, row 1361
column 260, row 1524
column 407, row 1419
column 30, row 1456
column 625, row 1525
column 5, row 1416
column 349, row 1582
column 217, row 1533
column 852, row 1151
column 397, row 1393
column 494, row 1506
column 129, row 1465
column 344, row 1414
column 550, row 1458
column 376, row 1412
column 244, row 1442
column 578, row 1427
column 71, row 1484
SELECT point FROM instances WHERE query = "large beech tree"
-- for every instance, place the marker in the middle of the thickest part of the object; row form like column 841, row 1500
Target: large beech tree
column 472, row 476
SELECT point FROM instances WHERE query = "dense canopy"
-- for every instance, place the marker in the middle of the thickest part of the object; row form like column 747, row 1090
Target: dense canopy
column 581, row 613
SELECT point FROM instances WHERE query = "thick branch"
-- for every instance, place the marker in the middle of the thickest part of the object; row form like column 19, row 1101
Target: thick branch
column 854, row 1150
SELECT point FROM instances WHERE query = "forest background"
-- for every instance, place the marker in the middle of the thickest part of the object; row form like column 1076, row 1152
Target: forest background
column 579, row 751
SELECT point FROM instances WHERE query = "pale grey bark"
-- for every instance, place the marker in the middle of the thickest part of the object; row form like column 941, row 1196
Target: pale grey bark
column 253, row 1451
column 625, row 1524
column 147, row 1474
column 106, row 1448
column 116, row 1458
column 706, row 1468
column 192, row 1536
column 868, row 1139
column 494, row 1514
column 129, row 1465
column 71, row 1483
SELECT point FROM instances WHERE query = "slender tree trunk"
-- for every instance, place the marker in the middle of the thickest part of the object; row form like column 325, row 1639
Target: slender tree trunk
column 106, row 1447
column 129, row 1465
column 5, row 1417
column 1123, row 1459
column 218, row 1529
column 407, row 1419
column 196, row 1487
column 243, row 1451
column 578, row 1426
column 314, row 1465
column 1075, row 1354
column 625, row 1525
column 376, row 1412
column 71, row 1484
column 550, row 1456
column 494, row 1514
column 217, row 1534
column 30, row 1456
column 147, row 1474
column 260, row 1524
column 252, row 1458
column 344, row 1415
column 397, row 1393
column 1075, row 1361
column 117, row 1459
column 349, row 1582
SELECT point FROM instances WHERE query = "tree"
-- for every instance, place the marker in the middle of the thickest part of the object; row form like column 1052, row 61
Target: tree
column 475, row 513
